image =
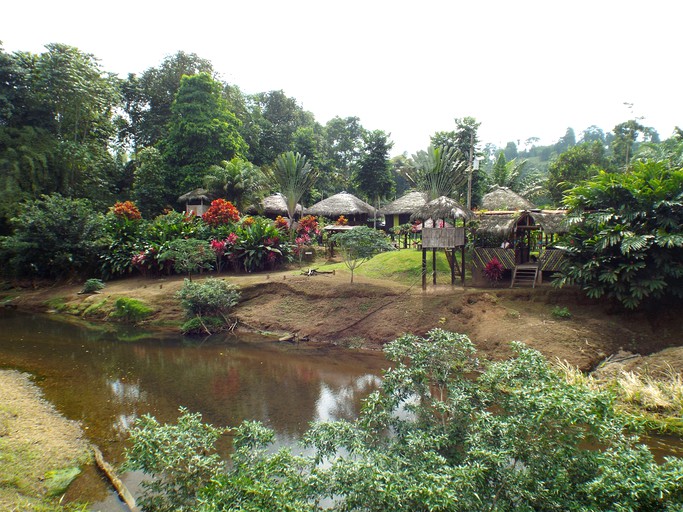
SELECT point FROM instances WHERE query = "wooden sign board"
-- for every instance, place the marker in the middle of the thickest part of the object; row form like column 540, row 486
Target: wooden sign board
column 443, row 238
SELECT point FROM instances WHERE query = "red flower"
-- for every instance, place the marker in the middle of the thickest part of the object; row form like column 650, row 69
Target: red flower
column 126, row 210
column 221, row 212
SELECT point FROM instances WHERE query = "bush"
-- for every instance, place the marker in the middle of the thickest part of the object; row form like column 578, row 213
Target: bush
column 561, row 312
column 92, row 286
column 54, row 237
column 210, row 298
column 130, row 310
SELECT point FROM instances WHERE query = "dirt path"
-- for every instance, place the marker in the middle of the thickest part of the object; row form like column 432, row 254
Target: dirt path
column 34, row 439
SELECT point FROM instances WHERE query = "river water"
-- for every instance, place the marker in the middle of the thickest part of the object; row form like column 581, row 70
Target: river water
column 106, row 378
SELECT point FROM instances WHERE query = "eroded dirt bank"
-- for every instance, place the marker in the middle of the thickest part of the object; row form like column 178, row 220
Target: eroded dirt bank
column 368, row 313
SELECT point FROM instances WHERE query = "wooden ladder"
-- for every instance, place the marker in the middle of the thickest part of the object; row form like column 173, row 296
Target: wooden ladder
column 524, row 275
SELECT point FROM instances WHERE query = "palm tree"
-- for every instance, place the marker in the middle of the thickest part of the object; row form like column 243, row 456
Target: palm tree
column 513, row 175
column 293, row 175
column 239, row 181
column 439, row 171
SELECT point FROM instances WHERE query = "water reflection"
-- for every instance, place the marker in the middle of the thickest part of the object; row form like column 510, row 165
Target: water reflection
column 106, row 384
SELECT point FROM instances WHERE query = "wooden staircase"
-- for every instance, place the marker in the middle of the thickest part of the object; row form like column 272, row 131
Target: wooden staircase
column 524, row 275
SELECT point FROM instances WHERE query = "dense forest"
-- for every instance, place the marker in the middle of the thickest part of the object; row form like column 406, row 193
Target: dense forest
column 69, row 127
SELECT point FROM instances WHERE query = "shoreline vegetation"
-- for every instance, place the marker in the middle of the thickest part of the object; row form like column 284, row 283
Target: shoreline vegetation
column 40, row 450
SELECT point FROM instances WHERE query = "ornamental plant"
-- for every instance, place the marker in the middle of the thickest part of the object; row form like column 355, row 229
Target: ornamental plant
column 221, row 212
column 342, row 221
column 308, row 225
column 126, row 210
column 359, row 244
column 494, row 270
column 211, row 298
column 281, row 223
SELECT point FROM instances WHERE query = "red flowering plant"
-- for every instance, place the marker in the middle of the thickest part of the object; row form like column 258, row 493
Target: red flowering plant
column 218, row 247
column 221, row 212
column 126, row 210
column 494, row 270
column 342, row 221
column 308, row 225
column 281, row 223
column 248, row 221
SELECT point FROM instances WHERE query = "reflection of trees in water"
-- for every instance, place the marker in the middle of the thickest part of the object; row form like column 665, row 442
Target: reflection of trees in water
column 107, row 383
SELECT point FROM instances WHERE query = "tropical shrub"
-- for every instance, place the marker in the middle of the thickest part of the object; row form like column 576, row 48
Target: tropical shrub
column 493, row 270
column 445, row 432
column 626, row 237
column 187, row 255
column 54, row 237
column 561, row 312
column 221, row 212
column 260, row 245
column 92, row 286
column 205, row 301
column 308, row 225
column 123, row 235
column 126, row 210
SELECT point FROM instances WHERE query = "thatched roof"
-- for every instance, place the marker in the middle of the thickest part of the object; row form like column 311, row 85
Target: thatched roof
column 502, row 198
column 442, row 208
column 405, row 204
column 503, row 223
column 198, row 194
column 277, row 205
column 340, row 204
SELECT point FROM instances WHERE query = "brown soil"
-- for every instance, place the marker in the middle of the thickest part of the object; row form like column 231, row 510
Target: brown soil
column 327, row 308
column 34, row 439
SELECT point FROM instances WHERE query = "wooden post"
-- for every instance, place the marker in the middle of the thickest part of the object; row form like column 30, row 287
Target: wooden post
column 462, row 262
column 454, row 263
column 434, row 267
column 424, row 268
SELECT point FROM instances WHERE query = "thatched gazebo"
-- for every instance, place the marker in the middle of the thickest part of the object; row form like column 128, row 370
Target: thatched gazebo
column 196, row 201
column 274, row 205
column 399, row 211
column 355, row 210
column 502, row 198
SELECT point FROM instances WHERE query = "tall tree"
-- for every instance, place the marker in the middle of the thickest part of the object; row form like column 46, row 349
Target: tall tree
column 625, row 136
column 150, row 188
column 573, row 166
column 345, row 144
column 237, row 180
column 149, row 98
column 374, row 177
column 202, row 132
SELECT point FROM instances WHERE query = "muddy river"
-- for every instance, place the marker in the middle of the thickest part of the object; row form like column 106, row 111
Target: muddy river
column 107, row 378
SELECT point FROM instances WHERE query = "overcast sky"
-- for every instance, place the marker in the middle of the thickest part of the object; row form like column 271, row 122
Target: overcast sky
column 522, row 68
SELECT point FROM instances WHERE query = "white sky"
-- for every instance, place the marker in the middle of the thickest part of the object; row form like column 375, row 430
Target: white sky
column 522, row 68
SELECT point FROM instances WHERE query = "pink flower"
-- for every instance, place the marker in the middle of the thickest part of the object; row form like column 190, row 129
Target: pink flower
column 232, row 239
column 218, row 247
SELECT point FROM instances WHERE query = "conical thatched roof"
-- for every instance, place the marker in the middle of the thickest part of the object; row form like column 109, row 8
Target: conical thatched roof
column 442, row 208
column 552, row 221
column 498, row 224
column 277, row 205
column 405, row 204
column 340, row 204
column 198, row 194
column 502, row 198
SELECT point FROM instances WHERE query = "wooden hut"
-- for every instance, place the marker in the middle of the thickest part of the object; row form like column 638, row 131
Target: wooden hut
column 355, row 210
column 196, row 201
column 520, row 240
column 504, row 199
column 272, row 206
column 399, row 211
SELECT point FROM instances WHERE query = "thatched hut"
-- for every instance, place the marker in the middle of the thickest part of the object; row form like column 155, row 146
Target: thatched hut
column 355, row 210
column 399, row 211
column 504, row 199
column 272, row 206
column 442, row 208
column 196, row 201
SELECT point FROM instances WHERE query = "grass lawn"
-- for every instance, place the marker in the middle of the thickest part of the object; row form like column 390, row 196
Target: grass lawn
column 404, row 266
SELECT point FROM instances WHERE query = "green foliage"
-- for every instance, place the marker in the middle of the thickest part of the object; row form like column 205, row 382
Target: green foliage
column 443, row 433
column 237, row 180
column 211, row 297
column 260, row 245
column 54, row 237
column 150, row 187
column 188, row 255
column 58, row 481
column 181, row 458
column 561, row 312
column 293, row 176
column 578, row 163
column 92, row 286
column 374, row 177
column 626, row 242
column 130, row 310
column 359, row 244
column 439, row 171
column 201, row 133
column 123, row 239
